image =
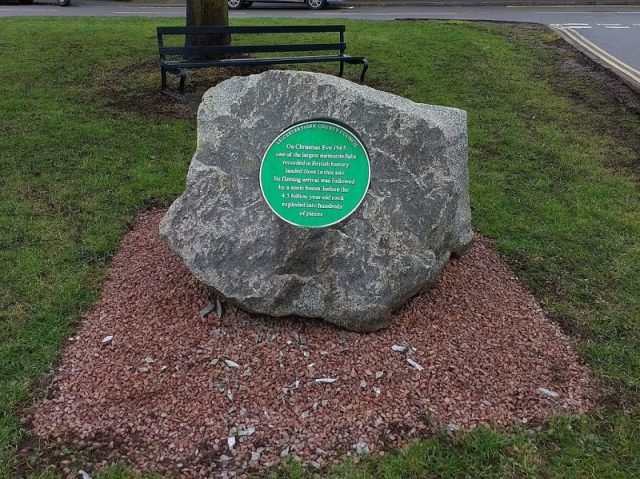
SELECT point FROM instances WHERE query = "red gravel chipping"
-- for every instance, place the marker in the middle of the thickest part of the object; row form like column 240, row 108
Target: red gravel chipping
column 162, row 396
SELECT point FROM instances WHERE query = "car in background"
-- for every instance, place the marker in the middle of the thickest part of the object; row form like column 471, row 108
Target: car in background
column 60, row 3
column 312, row 4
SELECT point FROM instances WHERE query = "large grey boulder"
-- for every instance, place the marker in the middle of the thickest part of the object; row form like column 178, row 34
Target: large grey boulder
column 357, row 272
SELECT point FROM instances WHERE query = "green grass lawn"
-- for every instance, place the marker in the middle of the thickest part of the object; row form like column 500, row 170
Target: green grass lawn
column 554, row 162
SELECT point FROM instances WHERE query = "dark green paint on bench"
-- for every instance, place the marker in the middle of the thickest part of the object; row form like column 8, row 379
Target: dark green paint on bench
column 231, row 55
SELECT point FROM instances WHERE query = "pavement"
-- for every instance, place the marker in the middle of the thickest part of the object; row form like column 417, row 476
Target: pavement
column 610, row 34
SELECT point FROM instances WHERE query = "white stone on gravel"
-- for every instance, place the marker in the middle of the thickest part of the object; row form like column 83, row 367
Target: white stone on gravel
column 414, row 365
column 231, row 364
column 361, row 447
column 106, row 340
column 326, row 380
column 291, row 387
column 547, row 393
column 231, row 442
column 247, row 432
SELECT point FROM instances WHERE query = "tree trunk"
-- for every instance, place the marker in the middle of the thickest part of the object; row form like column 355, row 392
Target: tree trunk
column 213, row 13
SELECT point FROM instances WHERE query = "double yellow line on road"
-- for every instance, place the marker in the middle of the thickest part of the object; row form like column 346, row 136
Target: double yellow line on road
column 598, row 54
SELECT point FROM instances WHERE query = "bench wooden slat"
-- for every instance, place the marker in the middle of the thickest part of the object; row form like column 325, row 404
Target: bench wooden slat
column 221, row 50
column 245, row 29
column 261, row 61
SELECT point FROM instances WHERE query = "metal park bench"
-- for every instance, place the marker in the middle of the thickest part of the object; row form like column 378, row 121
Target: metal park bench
column 178, row 59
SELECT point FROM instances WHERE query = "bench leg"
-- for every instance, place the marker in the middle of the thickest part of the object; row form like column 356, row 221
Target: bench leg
column 341, row 69
column 163, row 81
column 183, row 77
column 365, row 66
column 165, row 90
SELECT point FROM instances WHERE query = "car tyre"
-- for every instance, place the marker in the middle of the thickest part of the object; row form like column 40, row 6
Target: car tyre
column 316, row 4
column 235, row 4
column 26, row 2
column 63, row 3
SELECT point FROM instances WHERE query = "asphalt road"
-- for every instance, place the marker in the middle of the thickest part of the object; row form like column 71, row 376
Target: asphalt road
column 614, row 29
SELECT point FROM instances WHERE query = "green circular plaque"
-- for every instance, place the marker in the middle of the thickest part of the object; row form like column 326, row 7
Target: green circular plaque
column 315, row 174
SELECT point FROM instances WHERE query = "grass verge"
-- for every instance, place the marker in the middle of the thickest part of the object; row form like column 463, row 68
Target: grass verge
column 554, row 161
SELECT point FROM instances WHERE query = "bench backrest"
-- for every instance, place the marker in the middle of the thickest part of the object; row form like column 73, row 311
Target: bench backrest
column 241, row 49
